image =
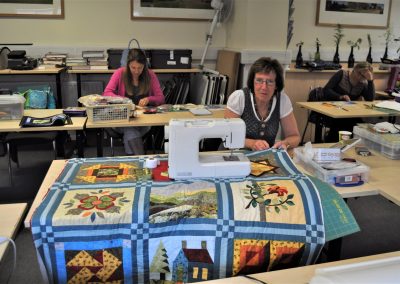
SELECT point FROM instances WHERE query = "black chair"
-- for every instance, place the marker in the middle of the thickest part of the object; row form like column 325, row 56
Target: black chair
column 315, row 95
column 113, row 135
column 3, row 147
column 14, row 140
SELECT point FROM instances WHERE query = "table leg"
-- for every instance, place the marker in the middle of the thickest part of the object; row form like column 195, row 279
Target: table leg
column 60, row 143
column 78, row 84
column 318, row 132
column 58, row 87
column 334, row 250
column 99, row 138
column 80, row 143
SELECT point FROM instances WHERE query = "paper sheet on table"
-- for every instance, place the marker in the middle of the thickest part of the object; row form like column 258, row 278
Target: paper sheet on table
column 389, row 104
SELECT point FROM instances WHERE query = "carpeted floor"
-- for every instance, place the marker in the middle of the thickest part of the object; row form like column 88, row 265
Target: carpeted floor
column 378, row 218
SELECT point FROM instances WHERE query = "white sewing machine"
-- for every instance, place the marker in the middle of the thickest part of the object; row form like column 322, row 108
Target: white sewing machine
column 184, row 158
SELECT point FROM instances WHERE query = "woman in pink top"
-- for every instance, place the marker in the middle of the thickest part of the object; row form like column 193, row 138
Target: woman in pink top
column 137, row 82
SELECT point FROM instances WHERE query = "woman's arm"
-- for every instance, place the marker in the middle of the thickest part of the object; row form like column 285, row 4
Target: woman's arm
column 156, row 96
column 368, row 92
column 113, row 88
column 290, row 132
column 329, row 89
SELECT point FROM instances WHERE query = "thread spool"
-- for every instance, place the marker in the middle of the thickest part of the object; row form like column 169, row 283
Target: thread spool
column 151, row 163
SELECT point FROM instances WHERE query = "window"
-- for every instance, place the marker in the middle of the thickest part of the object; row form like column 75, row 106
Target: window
column 204, row 273
column 195, row 272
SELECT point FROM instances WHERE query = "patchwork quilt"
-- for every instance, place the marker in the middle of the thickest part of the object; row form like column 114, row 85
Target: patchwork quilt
column 110, row 220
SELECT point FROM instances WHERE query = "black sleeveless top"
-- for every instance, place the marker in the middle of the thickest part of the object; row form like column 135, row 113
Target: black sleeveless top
column 256, row 129
column 136, row 98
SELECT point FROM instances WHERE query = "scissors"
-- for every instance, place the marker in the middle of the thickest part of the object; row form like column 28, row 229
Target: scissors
column 371, row 106
column 335, row 105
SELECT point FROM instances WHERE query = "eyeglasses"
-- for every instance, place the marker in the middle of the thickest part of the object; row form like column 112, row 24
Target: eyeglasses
column 260, row 81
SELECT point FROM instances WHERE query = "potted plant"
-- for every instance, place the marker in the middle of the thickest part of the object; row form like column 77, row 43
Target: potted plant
column 353, row 44
column 398, row 50
column 317, row 55
column 299, row 57
column 388, row 35
column 338, row 37
column 369, row 56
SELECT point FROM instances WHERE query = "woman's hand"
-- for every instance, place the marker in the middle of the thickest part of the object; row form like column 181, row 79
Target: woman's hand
column 367, row 74
column 345, row 98
column 144, row 102
column 258, row 145
column 281, row 145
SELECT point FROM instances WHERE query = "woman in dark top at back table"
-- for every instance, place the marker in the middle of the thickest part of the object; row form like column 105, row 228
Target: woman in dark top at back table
column 348, row 86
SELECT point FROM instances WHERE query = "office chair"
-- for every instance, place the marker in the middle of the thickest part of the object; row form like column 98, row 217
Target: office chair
column 315, row 95
column 13, row 140
column 3, row 147
column 113, row 135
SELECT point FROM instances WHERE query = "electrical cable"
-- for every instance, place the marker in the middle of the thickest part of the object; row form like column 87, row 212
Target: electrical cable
column 3, row 240
column 394, row 125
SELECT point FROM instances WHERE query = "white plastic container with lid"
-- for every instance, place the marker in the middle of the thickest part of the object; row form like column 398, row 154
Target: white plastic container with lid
column 342, row 176
column 11, row 107
column 386, row 143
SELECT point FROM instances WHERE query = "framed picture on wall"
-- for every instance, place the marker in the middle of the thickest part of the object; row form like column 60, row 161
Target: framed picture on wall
column 171, row 10
column 354, row 14
column 32, row 8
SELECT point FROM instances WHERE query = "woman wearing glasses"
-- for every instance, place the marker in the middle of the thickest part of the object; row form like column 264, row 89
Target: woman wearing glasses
column 264, row 106
column 346, row 85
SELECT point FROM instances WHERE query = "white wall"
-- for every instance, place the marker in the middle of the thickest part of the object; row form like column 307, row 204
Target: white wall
column 260, row 25
column 305, row 30
column 106, row 23
column 255, row 26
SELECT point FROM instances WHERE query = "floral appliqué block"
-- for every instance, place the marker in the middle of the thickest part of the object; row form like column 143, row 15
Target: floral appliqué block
column 102, row 206
column 268, row 201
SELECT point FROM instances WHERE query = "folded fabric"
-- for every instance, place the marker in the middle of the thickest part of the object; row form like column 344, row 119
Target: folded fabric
column 385, row 126
column 38, row 97
column 54, row 120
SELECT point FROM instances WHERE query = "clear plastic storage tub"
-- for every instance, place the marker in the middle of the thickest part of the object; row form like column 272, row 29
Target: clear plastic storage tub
column 386, row 143
column 11, row 107
column 341, row 177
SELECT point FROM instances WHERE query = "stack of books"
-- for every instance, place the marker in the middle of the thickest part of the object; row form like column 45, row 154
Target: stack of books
column 96, row 59
column 77, row 63
column 53, row 60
